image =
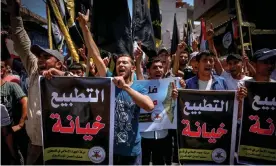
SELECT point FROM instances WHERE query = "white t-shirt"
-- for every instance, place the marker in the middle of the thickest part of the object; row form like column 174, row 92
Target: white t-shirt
column 5, row 118
column 204, row 85
column 232, row 83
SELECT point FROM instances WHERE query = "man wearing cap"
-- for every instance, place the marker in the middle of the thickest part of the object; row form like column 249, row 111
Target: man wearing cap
column 264, row 63
column 164, row 55
column 235, row 77
column 35, row 60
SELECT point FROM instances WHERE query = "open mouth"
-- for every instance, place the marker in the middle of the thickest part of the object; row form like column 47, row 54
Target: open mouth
column 122, row 71
column 158, row 75
column 208, row 69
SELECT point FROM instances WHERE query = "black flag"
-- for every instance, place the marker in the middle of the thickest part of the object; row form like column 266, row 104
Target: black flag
column 156, row 21
column 175, row 36
column 111, row 26
column 142, row 27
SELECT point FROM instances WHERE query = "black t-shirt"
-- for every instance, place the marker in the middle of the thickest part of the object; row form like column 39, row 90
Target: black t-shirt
column 188, row 73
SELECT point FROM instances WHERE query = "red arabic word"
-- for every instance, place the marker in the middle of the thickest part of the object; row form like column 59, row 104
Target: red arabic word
column 87, row 131
column 201, row 131
column 256, row 128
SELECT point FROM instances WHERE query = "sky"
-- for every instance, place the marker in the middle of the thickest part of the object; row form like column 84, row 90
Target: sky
column 38, row 6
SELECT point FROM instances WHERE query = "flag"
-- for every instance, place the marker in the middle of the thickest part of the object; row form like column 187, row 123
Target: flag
column 228, row 40
column 175, row 36
column 235, row 29
column 143, row 28
column 68, row 12
column 111, row 26
column 189, row 36
column 185, row 33
column 203, row 41
column 56, row 9
column 56, row 38
column 156, row 20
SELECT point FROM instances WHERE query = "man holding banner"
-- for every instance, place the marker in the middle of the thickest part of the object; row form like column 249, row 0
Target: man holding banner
column 36, row 61
column 152, row 140
column 129, row 99
column 220, row 148
column 256, row 145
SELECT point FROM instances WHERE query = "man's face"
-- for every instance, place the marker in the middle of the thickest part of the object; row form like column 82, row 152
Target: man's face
column 124, row 67
column 156, row 70
column 46, row 61
column 77, row 72
column 205, row 65
column 265, row 68
column 183, row 59
column 224, row 64
column 194, row 64
column 235, row 66
column 3, row 69
column 166, row 60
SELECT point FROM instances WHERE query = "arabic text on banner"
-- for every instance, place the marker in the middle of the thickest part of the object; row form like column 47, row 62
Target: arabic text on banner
column 163, row 116
column 257, row 140
column 77, row 118
column 206, row 126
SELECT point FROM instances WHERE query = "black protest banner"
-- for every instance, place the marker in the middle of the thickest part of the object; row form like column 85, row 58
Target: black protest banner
column 78, row 120
column 207, row 122
column 257, row 135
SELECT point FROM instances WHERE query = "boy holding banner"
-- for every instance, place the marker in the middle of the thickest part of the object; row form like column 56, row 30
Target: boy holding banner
column 152, row 140
column 129, row 99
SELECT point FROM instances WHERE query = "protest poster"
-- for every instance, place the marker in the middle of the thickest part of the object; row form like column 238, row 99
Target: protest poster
column 207, row 122
column 77, row 120
column 257, row 134
column 164, row 115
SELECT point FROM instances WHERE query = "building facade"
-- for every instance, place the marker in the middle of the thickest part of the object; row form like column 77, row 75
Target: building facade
column 168, row 9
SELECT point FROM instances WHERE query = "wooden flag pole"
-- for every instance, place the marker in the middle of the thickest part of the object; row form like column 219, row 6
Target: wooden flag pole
column 49, row 24
column 240, row 21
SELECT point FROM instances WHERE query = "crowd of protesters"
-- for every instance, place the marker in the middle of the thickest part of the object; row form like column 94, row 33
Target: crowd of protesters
column 201, row 70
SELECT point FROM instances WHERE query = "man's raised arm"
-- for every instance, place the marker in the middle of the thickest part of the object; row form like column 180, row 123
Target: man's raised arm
column 22, row 43
column 92, row 48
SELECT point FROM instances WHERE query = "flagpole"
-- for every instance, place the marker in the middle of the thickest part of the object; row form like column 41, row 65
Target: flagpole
column 64, row 30
column 49, row 27
column 239, row 17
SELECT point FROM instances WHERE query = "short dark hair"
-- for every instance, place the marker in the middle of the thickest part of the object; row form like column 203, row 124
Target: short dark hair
column 185, row 52
column 76, row 66
column 152, row 61
column 206, row 53
column 125, row 55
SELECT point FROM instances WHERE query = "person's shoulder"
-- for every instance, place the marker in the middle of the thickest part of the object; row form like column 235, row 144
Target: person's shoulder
column 10, row 84
column 109, row 73
column 218, row 78
column 191, row 79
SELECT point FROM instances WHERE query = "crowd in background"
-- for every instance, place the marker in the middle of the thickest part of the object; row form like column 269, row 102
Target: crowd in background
column 202, row 70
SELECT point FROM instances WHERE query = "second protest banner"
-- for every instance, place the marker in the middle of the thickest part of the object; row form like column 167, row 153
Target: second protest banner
column 77, row 120
column 163, row 116
column 257, row 141
column 207, row 126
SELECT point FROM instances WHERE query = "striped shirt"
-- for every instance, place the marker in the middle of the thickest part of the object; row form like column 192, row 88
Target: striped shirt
column 11, row 94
